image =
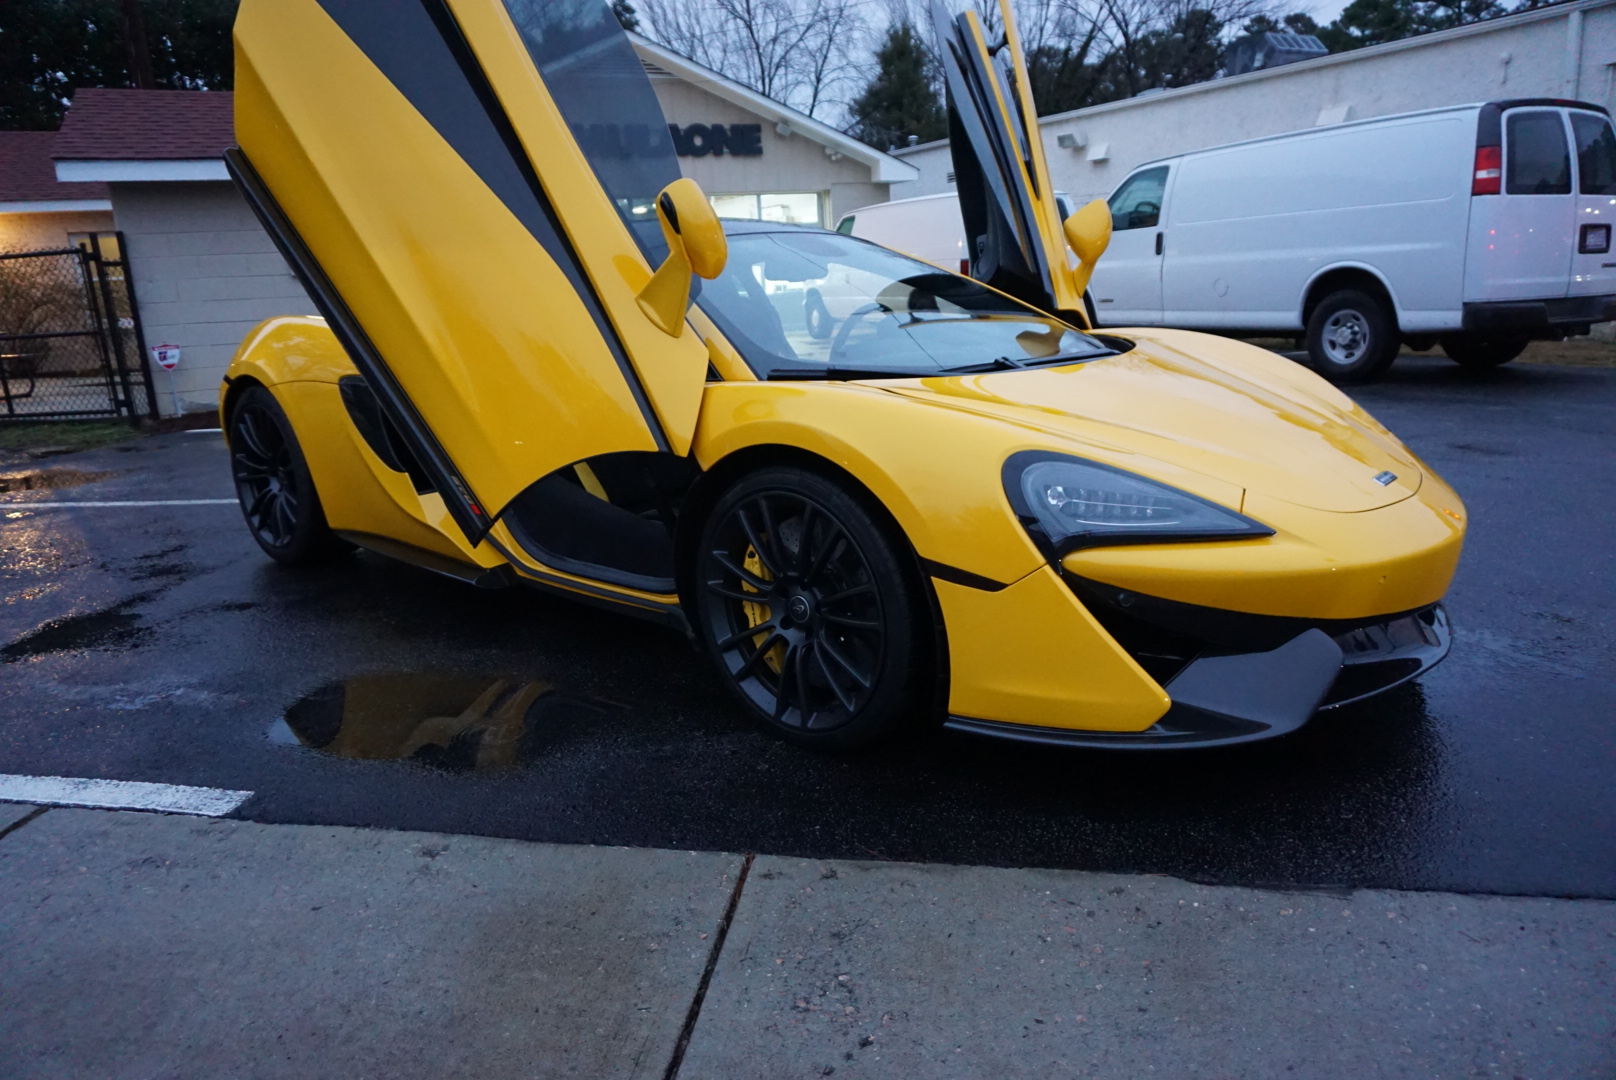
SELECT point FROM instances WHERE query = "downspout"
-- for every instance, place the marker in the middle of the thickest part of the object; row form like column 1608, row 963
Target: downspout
column 1573, row 68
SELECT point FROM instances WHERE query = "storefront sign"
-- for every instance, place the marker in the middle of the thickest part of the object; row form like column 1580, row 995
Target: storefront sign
column 700, row 140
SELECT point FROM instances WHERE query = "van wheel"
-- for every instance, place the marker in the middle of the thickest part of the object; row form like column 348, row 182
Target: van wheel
column 817, row 316
column 1352, row 337
column 803, row 603
column 1476, row 351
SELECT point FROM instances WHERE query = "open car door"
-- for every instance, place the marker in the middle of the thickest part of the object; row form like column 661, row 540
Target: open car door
column 1013, row 232
column 468, row 190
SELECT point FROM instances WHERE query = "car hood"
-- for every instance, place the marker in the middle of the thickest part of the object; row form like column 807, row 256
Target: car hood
column 1218, row 408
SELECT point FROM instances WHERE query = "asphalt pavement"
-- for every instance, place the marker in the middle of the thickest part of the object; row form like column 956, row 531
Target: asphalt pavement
column 156, row 643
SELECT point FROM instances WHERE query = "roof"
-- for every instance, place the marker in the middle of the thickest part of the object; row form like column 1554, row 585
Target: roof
column 28, row 176
column 884, row 168
column 147, row 125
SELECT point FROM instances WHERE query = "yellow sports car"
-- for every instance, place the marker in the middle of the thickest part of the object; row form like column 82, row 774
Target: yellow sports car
column 542, row 360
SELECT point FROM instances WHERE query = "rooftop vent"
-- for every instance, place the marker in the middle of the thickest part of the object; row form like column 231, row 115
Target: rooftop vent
column 1256, row 52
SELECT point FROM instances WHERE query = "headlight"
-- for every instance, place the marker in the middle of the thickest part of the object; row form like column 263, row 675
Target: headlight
column 1067, row 503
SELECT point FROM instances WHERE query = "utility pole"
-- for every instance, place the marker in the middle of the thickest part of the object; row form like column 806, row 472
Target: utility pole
column 134, row 36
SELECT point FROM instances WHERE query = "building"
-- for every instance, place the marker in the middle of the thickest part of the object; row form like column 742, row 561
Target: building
column 38, row 212
column 1565, row 51
column 205, row 272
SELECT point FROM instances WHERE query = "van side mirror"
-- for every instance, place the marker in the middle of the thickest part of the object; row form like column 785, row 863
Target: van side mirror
column 1089, row 233
column 696, row 245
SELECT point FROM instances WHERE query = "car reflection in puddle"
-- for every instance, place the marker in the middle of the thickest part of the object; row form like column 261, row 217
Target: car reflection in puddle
column 48, row 479
column 453, row 721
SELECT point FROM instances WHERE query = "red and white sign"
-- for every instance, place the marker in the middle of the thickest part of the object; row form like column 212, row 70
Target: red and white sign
column 167, row 356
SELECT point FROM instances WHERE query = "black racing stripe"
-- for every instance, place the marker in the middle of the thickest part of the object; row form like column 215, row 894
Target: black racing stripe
column 421, row 50
column 954, row 575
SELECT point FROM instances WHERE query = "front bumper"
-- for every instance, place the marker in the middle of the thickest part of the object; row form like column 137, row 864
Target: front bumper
column 1554, row 317
column 1236, row 678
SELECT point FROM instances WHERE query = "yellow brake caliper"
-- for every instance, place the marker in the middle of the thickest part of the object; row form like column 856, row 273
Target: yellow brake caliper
column 757, row 613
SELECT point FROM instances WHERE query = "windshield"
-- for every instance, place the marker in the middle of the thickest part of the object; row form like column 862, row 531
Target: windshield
column 801, row 304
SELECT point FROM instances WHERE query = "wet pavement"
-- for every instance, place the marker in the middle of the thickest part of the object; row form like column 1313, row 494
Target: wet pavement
column 158, row 644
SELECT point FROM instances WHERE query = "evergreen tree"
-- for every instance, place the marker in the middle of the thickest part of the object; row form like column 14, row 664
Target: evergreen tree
column 626, row 14
column 899, row 100
column 49, row 48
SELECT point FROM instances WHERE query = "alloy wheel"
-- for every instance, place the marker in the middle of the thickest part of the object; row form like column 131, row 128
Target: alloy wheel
column 796, row 617
column 265, row 473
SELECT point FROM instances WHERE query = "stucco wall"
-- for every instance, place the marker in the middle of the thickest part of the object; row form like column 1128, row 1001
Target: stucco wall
column 205, row 273
column 789, row 163
column 48, row 232
column 1453, row 68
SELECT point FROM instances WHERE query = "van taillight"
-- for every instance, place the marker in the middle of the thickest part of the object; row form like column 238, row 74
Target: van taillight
column 1489, row 169
column 965, row 267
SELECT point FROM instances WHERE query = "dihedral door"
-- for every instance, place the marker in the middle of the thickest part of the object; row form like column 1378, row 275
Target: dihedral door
column 1013, row 233
column 476, row 179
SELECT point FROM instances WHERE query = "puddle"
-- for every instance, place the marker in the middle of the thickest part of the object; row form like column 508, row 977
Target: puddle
column 48, row 479
column 454, row 721
column 111, row 628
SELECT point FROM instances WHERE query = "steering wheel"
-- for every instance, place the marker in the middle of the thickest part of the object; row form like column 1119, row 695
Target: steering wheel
column 843, row 331
column 1145, row 213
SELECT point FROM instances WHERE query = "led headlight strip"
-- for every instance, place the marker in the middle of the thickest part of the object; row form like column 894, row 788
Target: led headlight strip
column 1068, row 502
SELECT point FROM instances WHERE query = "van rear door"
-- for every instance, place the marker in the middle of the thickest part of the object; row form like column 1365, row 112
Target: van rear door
column 1013, row 235
column 1593, row 258
column 1521, row 239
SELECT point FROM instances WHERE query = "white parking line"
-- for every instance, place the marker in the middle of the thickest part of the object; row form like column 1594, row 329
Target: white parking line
column 120, row 795
column 144, row 502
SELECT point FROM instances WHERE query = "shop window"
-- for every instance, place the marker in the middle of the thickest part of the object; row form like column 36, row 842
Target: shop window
column 792, row 207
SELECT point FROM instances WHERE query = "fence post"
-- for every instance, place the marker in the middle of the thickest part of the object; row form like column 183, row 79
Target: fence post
column 125, row 261
column 114, row 331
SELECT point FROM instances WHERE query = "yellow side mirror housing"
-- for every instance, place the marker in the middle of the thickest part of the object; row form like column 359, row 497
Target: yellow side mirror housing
column 696, row 245
column 1089, row 233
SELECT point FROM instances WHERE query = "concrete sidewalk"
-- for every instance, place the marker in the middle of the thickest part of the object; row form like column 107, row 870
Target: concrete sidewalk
column 144, row 946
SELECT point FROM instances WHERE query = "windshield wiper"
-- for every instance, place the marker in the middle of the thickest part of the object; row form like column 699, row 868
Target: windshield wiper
column 804, row 374
column 1005, row 363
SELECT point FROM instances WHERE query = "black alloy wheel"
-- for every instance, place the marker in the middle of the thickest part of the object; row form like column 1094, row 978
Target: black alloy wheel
column 1480, row 351
column 805, row 605
column 1352, row 337
column 273, row 484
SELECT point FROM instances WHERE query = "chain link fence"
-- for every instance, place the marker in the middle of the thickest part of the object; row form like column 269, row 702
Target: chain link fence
column 70, row 340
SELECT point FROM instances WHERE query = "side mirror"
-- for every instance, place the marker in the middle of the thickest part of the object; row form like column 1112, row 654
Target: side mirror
column 1089, row 232
column 696, row 245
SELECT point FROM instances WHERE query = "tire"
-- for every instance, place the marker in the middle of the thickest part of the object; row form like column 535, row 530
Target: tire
column 817, row 317
column 1352, row 337
column 1478, row 352
column 831, row 652
column 273, row 484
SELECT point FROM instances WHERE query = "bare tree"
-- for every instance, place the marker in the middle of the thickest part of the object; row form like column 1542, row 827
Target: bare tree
column 805, row 53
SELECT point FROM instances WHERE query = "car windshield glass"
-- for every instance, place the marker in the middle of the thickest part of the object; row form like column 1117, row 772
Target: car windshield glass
column 1596, row 154
column 805, row 303
column 597, row 81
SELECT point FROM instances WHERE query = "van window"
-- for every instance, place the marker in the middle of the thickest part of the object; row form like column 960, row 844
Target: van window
column 1137, row 203
column 1539, row 163
column 1596, row 154
column 845, row 226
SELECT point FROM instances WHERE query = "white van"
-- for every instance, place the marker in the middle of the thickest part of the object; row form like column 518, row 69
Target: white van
column 1478, row 226
column 927, row 227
